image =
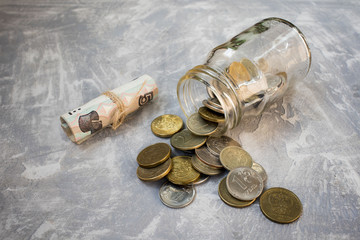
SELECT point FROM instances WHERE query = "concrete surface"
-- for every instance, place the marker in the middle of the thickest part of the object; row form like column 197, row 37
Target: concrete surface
column 57, row 55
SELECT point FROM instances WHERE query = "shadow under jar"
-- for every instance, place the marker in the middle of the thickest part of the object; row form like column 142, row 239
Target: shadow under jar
column 248, row 71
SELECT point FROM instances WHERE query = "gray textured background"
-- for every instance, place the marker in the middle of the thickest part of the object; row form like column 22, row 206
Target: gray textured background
column 57, row 55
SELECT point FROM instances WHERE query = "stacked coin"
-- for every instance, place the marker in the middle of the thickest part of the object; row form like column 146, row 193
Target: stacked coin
column 154, row 162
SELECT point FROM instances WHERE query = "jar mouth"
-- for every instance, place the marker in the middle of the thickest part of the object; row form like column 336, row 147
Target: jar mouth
column 203, row 82
column 291, row 25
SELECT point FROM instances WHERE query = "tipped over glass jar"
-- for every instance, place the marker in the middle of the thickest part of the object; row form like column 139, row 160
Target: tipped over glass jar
column 241, row 76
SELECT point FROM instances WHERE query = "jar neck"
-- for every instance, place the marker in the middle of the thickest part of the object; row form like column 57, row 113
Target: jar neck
column 203, row 82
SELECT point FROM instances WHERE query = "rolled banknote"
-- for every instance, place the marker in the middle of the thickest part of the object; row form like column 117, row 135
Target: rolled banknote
column 109, row 109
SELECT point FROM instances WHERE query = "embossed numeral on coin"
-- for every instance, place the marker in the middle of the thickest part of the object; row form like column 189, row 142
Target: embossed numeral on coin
column 244, row 183
column 186, row 137
column 178, row 196
column 239, row 182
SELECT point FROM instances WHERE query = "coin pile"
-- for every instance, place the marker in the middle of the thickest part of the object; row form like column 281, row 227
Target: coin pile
column 154, row 162
column 210, row 156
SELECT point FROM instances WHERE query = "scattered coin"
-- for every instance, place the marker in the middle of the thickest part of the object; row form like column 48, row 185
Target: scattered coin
column 244, row 183
column 206, row 157
column 198, row 126
column 217, row 144
column 203, row 178
column 215, row 106
column 233, row 157
column 182, row 172
column 280, row 205
column 210, row 115
column 155, row 173
column 176, row 196
column 257, row 167
column 154, row 155
column 204, row 168
column 166, row 125
column 185, row 140
column 230, row 200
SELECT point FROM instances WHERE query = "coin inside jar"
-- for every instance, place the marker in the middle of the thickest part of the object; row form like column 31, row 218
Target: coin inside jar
column 233, row 157
column 250, row 67
column 176, row 196
column 166, row 125
column 213, row 104
column 155, row 173
column 230, row 200
column 280, row 205
column 154, row 155
column 185, row 140
column 210, row 115
column 217, row 144
column 238, row 72
column 182, row 172
column 198, row 126
column 244, row 183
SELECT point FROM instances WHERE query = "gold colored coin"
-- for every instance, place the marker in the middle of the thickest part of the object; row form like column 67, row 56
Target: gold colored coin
column 250, row 67
column 166, row 125
column 210, row 115
column 154, row 155
column 155, row 173
column 238, row 72
column 203, row 168
column 280, row 205
column 185, row 140
column 182, row 172
column 230, row 200
column 263, row 65
column 233, row 157
column 199, row 126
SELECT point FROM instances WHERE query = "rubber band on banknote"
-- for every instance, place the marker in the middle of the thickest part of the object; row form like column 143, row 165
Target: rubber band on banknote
column 120, row 112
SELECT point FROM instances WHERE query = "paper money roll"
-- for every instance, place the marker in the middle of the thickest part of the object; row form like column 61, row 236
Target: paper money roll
column 109, row 109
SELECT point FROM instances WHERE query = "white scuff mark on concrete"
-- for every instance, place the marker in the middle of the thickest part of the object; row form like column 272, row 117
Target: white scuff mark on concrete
column 39, row 172
column 17, row 155
column 42, row 229
column 150, row 229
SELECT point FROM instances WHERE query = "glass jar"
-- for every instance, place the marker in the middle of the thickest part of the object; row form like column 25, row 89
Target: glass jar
column 247, row 72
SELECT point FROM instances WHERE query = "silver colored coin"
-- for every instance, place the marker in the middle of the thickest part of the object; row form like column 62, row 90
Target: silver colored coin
column 213, row 104
column 257, row 167
column 204, row 168
column 208, row 158
column 199, row 126
column 244, row 183
column 217, row 144
column 176, row 196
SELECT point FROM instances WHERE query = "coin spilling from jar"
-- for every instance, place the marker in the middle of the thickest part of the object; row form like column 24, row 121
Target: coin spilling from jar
column 210, row 156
